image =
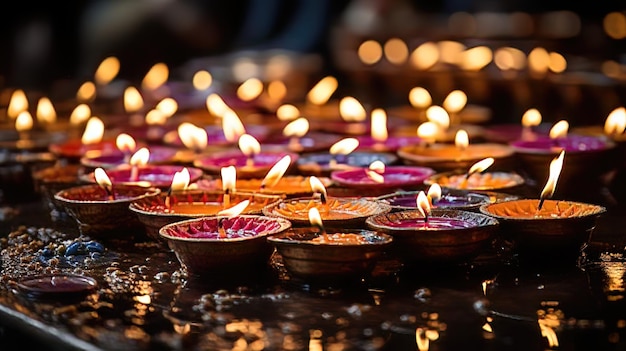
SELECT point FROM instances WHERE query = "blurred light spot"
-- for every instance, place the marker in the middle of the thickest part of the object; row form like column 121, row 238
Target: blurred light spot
column 508, row 58
column 558, row 63
column 396, row 51
column 449, row 51
column 614, row 24
column 474, row 59
column 425, row 56
column 202, row 80
column 538, row 60
column 370, row 52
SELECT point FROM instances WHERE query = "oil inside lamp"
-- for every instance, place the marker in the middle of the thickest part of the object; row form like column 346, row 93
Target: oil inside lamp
column 229, row 182
column 342, row 147
column 103, row 180
column 318, row 188
column 556, row 165
column 295, row 130
column 250, row 147
column 138, row 159
column 180, row 182
column 229, row 213
column 275, row 173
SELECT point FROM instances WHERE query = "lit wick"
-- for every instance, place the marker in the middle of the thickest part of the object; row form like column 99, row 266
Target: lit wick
column 229, row 179
column 275, row 173
column 229, row 213
column 478, row 167
column 140, row 157
column 295, row 130
column 555, row 171
column 250, row 147
column 316, row 221
column 105, row 183
column 427, row 132
column 318, row 187
column 558, row 132
column 423, row 206
column 180, row 181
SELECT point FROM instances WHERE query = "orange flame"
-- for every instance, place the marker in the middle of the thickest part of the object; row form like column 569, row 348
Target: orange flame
column 531, row 118
column 377, row 166
column 559, row 129
column 216, row 105
column 232, row 126
column 434, row 193
column 322, row 91
column 455, row 101
column 234, row 210
column 133, row 101
column 156, row 76
column 181, row 179
column 296, row 128
column 17, row 103
column 94, row 131
column 481, row 165
column 168, row 106
column 422, row 204
column 107, row 70
column 379, row 125
column 615, row 122
column 420, row 98
column 556, row 165
column 80, row 114
column 45, row 111
column 229, row 178
column 250, row 89
column 24, row 122
column 318, row 187
column 276, row 172
column 438, row 115
column 351, row 110
column 344, row 146
column 428, row 131
column 125, row 143
column 141, row 157
column 192, row 136
column 375, row 176
column 315, row 218
column 102, row 178
column 249, row 145
column 287, row 112
column 461, row 139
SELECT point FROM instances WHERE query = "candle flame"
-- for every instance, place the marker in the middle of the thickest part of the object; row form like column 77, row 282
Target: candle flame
column 156, row 76
column 481, row 165
column 125, row 143
column 531, row 118
column 276, row 91
column 379, row 125
column 474, row 59
column 420, row 98
column 192, row 136
column 229, row 178
column 216, row 105
column 107, row 70
column 202, row 80
column 94, row 131
column 181, row 179
column 461, row 139
column 559, row 129
column 377, row 166
column 277, row 171
column 428, row 131
column 249, row 145
column 351, row 110
column 315, row 218
column 133, row 101
column 24, row 122
column 455, row 101
column 556, row 165
column 396, row 51
column 234, row 210
column 344, row 146
column 318, row 187
column 615, row 122
column 102, row 178
column 370, row 52
column 17, row 103
column 422, row 204
column 45, row 111
column 425, row 56
column 168, row 106
column 155, row 117
column 548, row 332
column 296, row 128
column 250, row 89
column 232, row 126
column 140, row 157
column 287, row 112
column 434, row 193
column 80, row 114
column 86, row 92
column 422, row 342
column 438, row 115
column 322, row 91
column 376, row 177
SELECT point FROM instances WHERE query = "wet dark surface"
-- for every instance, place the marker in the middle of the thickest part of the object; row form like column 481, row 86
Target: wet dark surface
column 144, row 301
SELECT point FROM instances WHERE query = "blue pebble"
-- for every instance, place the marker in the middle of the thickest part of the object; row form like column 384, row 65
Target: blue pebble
column 94, row 246
column 75, row 248
column 95, row 255
column 47, row 252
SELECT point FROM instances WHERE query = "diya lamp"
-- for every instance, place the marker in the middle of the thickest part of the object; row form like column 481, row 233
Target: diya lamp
column 101, row 209
column 419, row 100
column 435, row 235
column 379, row 179
column 316, row 254
column 448, row 157
column 181, row 202
column 139, row 172
column 156, row 123
column 24, row 138
column 477, row 178
column 589, row 157
column 226, row 242
column 379, row 139
column 353, row 119
column 340, row 156
column 337, row 212
column 439, row 198
column 296, row 137
column 275, row 182
column 531, row 128
column 461, row 113
column 92, row 141
column 554, row 228
column 250, row 161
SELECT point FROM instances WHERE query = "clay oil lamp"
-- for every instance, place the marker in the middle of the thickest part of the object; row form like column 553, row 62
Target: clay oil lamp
column 126, row 146
column 315, row 254
column 157, row 122
column 435, row 235
column 439, row 199
column 296, row 138
column 250, row 160
column 92, row 141
column 139, row 172
column 477, row 178
column 340, row 156
column 589, row 157
column 275, row 182
column 555, row 228
column 378, row 179
column 226, row 242
column 181, row 203
column 530, row 128
column 444, row 157
column 336, row 212
column 101, row 209
column 379, row 140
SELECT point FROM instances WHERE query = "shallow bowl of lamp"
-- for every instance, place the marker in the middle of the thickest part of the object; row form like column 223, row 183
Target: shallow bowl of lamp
column 448, row 157
column 201, row 249
column 479, row 181
column 99, row 215
column 338, row 212
column 558, row 228
column 336, row 255
column 158, row 211
column 50, row 180
column 414, row 244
